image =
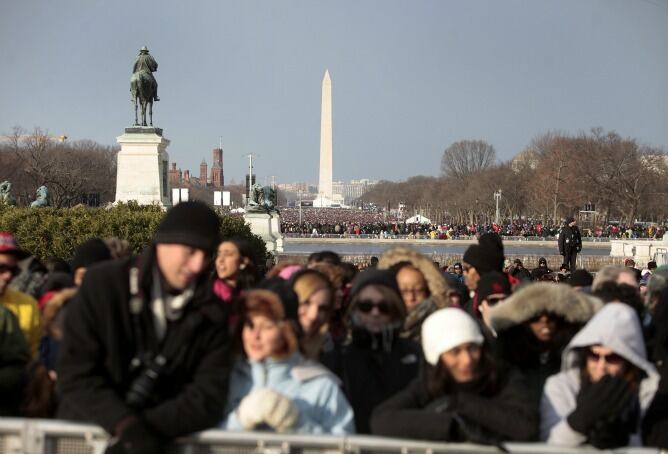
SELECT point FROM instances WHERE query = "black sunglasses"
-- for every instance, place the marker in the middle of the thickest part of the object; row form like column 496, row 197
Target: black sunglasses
column 13, row 269
column 611, row 358
column 367, row 306
column 494, row 300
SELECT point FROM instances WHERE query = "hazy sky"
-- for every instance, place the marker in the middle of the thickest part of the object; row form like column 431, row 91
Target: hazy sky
column 408, row 77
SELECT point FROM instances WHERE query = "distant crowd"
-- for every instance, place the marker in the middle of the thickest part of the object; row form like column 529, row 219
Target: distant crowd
column 197, row 332
column 350, row 222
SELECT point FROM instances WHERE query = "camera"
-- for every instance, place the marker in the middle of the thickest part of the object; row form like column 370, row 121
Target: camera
column 142, row 387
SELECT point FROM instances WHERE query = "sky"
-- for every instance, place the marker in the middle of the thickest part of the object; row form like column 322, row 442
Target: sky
column 409, row 78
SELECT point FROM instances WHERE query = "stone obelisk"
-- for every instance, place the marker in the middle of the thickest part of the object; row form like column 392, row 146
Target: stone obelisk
column 325, row 183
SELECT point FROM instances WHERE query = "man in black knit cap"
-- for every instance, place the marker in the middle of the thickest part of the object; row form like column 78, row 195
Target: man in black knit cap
column 570, row 243
column 478, row 259
column 145, row 344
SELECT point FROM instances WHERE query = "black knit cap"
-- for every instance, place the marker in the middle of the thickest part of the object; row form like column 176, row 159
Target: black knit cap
column 484, row 257
column 493, row 283
column 581, row 278
column 192, row 224
column 372, row 276
column 90, row 252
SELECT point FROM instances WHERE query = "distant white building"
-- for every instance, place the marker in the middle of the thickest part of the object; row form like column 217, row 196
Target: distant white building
column 352, row 190
column 294, row 187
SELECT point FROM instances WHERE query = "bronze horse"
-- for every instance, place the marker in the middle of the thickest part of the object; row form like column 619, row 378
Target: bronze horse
column 143, row 88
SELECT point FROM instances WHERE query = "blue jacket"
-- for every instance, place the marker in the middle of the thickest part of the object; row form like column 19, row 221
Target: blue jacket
column 323, row 408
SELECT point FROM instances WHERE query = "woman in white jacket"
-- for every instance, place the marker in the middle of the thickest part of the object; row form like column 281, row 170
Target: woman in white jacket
column 605, row 386
column 272, row 386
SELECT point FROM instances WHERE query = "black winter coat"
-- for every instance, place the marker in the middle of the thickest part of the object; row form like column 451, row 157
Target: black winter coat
column 570, row 240
column 94, row 368
column 463, row 416
column 371, row 373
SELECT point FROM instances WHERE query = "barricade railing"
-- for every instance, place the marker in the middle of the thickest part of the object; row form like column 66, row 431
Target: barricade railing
column 35, row 436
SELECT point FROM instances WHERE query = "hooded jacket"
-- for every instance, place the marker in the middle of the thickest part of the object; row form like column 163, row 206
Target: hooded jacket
column 323, row 409
column 373, row 366
column 438, row 286
column 616, row 327
column 519, row 347
column 436, row 283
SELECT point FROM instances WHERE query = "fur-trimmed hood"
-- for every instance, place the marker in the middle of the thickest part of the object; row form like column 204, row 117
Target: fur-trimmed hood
column 533, row 299
column 438, row 286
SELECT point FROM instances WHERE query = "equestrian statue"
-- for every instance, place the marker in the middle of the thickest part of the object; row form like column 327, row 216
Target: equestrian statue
column 143, row 86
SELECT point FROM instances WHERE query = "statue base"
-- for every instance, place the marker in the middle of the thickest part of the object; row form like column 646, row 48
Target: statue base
column 143, row 130
column 268, row 227
column 142, row 167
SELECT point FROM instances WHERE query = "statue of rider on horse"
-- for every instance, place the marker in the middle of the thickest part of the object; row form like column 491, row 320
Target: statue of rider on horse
column 143, row 86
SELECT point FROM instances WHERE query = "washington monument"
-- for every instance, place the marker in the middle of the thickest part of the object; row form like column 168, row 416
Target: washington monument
column 325, row 183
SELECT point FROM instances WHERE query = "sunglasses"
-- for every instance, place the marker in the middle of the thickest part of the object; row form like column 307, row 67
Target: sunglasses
column 495, row 300
column 611, row 358
column 367, row 307
column 12, row 269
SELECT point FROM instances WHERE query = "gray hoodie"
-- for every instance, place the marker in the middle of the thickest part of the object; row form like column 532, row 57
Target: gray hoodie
column 616, row 327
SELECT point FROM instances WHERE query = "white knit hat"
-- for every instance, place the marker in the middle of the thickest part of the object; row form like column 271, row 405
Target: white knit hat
column 445, row 329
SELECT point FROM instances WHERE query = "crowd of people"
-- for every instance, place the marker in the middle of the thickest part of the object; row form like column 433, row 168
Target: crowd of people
column 193, row 334
column 351, row 222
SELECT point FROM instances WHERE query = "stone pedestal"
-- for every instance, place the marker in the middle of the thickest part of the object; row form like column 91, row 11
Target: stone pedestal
column 642, row 251
column 268, row 227
column 142, row 167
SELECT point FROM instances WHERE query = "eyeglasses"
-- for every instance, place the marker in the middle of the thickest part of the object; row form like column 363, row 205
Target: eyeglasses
column 9, row 268
column 367, row 307
column 611, row 358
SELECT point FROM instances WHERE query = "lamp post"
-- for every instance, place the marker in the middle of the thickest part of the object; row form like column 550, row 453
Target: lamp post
column 497, row 197
column 300, row 210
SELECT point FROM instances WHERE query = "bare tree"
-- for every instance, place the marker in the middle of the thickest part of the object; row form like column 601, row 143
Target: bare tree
column 71, row 171
column 465, row 157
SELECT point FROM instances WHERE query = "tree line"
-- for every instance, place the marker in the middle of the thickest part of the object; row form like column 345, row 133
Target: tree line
column 74, row 172
column 608, row 177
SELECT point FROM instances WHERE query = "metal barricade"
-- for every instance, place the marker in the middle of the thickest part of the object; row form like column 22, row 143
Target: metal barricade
column 22, row 436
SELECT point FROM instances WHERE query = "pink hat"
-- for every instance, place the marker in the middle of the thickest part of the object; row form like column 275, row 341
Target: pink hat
column 287, row 272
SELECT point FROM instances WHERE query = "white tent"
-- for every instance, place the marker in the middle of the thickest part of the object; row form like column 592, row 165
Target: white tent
column 418, row 219
column 322, row 202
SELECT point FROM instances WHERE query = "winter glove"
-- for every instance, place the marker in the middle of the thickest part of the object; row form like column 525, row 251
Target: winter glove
column 615, row 432
column 443, row 404
column 470, row 431
column 136, row 437
column 597, row 401
column 269, row 407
